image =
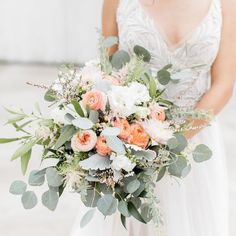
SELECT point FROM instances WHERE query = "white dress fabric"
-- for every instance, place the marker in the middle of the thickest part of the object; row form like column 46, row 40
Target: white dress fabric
column 198, row 204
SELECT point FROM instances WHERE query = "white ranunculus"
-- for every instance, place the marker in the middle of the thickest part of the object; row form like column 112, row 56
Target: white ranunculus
column 123, row 100
column 122, row 162
column 159, row 131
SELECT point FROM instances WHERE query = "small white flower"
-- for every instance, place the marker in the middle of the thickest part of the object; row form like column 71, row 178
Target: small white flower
column 159, row 131
column 43, row 132
column 142, row 112
column 122, row 162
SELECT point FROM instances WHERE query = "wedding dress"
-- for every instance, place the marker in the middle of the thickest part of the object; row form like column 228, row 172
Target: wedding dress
column 196, row 205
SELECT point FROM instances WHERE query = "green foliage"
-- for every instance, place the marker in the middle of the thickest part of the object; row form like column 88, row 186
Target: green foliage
column 25, row 161
column 29, row 200
column 8, row 140
column 135, row 213
column 77, row 107
column 182, row 143
column 123, row 208
column 142, row 53
column 87, row 218
column 83, row 123
column 161, row 173
column 18, row 187
column 133, row 186
column 91, row 198
column 37, row 178
column 164, row 76
column 202, row 153
column 50, row 199
column 53, row 177
column 66, row 134
column 107, row 205
column 50, row 96
column 115, row 144
column 119, row 59
column 25, row 148
column 177, row 167
column 110, row 41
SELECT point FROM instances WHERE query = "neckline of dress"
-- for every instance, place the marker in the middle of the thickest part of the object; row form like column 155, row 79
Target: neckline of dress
column 173, row 48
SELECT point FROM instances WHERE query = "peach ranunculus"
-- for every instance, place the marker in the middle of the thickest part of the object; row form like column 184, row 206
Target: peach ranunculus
column 102, row 147
column 84, row 141
column 124, row 127
column 138, row 136
column 95, row 100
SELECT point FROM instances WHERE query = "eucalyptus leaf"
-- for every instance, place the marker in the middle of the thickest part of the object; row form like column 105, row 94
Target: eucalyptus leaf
column 135, row 213
column 148, row 155
column 91, row 198
column 186, row 171
column 145, row 213
column 25, row 148
column 133, row 186
column 83, row 123
column 161, row 173
column 66, row 134
column 37, row 178
column 95, row 162
column 111, row 131
column 50, row 96
column 123, row 220
column 93, row 116
column 173, row 143
column 68, row 117
column 123, row 208
column 143, row 53
column 115, row 144
column 25, row 161
column 50, row 199
column 202, row 153
column 119, row 59
column 177, row 167
column 87, row 218
column 107, row 205
column 29, row 200
column 164, row 77
column 77, row 107
column 110, row 41
column 182, row 143
column 53, row 178
column 18, row 187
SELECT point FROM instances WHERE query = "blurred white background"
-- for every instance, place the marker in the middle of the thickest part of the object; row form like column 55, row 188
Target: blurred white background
column 34, row 36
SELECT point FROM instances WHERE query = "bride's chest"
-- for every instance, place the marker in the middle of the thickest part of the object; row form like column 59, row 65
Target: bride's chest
column 199, row 47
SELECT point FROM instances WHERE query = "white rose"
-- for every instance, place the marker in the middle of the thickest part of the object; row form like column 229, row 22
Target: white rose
column 122, row 162
column 158, row 131
column 143, row 112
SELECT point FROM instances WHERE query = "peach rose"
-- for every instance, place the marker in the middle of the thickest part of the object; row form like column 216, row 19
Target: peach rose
column 84, row 141
column 95, row 100
column 102, row 147
column 124, row 127
column 157, row 112
column 138, row 136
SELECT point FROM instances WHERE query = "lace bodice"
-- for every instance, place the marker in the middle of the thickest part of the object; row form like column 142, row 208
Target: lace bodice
column 195, row 55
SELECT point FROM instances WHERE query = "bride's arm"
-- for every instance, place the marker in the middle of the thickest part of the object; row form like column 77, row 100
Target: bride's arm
column 224, row 68
column 109, row 25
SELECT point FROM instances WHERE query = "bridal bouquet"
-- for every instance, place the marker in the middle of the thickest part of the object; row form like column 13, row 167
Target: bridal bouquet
column 112, row 134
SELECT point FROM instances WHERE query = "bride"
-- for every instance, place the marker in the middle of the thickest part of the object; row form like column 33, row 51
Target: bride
column 197, row 36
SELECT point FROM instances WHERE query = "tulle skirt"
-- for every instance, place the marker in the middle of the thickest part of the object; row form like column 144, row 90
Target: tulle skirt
column 194, row 206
